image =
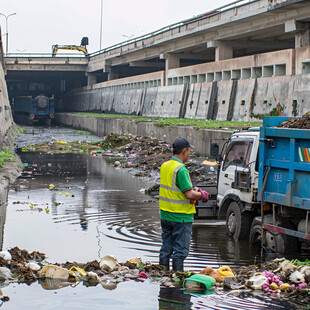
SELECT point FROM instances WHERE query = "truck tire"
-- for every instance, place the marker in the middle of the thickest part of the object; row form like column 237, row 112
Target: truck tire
column 238, row 224
column 275, row 242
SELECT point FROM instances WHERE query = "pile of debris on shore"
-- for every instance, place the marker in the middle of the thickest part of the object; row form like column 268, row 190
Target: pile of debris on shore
column 281, row 278
column 142, row 155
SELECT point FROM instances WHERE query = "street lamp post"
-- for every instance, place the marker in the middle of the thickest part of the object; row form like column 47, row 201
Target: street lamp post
column 7, row 30
column 101, row 9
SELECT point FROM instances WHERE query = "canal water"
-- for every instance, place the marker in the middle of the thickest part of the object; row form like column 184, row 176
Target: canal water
column 95, row 210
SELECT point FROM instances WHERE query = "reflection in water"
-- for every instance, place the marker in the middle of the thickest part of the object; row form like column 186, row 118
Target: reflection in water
column 104, row 213
column 177, row 298
column 54, row 284
column 169, row 298
column 3, row 207
column 114, row 217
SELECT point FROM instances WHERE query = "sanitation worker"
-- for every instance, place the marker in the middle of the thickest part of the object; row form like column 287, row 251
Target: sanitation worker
column 177, row 206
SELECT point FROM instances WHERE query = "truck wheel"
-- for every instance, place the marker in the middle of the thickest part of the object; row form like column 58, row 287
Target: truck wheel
column 256, row 235
column 276, row 242
column 238, row 224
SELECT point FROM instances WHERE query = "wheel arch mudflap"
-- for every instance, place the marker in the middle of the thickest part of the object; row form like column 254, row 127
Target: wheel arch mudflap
column 226, row 202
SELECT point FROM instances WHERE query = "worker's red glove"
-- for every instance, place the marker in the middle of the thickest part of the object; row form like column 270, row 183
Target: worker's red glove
column 205, row 196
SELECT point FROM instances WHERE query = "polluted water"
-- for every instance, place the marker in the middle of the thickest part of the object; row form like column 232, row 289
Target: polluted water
column 95, row 210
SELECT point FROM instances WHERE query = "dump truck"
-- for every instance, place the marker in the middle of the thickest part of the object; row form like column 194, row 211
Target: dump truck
column 30, row 110
column 263, row 186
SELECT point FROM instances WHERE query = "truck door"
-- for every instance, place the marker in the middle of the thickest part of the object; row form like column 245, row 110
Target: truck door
column 236, row 157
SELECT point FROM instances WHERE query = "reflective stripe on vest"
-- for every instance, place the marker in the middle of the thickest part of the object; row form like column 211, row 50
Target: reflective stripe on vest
column 171, row 199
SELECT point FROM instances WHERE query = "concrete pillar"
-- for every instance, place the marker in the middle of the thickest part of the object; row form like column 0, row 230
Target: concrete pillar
column 112, row 75
column 172, row 61
column 302, row 39
column 109, row 70
column 223, row 51
column 301, row 30
column 91, row 79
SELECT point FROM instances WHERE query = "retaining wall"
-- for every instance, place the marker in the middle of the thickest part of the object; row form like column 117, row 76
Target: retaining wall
column 238, row 100
column 6, row 119
column 8, row 129
column 100, row 126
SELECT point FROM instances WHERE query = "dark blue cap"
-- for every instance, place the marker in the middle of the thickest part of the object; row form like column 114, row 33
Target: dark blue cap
column 181, row 143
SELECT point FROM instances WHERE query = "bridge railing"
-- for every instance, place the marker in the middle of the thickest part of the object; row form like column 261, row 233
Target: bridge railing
column 42, row 55
column 216, row 11
column 199, row 17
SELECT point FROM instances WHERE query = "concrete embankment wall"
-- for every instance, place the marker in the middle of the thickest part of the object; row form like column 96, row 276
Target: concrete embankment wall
column 239, row 89
column 8, row 130
column 6, row 119
column 238, row 100
column 100, row 126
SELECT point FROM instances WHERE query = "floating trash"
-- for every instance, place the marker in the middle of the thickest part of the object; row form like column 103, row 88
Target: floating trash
column 198, row 282
column 6, row 255
column 225, row 271
column 33, row 266
column 257, row 281
column 108, row 263
column 55, row 272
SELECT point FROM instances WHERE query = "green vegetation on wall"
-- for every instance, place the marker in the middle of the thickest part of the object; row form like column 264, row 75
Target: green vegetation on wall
column 161, row 122
column 6, row 155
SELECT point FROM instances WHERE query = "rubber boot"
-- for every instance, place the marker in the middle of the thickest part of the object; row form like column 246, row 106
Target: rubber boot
column 164, row 264
column 177, row 264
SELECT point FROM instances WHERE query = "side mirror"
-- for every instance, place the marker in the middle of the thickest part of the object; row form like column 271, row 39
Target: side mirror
column 214, row 149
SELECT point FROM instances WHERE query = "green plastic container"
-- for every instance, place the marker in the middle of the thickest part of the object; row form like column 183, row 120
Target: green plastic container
column 192, row 283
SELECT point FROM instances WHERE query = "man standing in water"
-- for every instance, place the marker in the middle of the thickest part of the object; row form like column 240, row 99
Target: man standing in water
column 177, row 206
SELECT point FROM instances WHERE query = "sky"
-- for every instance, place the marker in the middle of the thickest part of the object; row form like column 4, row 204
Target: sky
column 39, row 24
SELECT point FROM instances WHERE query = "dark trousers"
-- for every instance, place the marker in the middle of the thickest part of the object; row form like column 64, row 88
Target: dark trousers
column 176, row 239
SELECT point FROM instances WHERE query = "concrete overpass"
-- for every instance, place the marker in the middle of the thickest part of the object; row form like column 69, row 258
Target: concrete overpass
column 244, row 40
column 30, row 74
column 240, row 29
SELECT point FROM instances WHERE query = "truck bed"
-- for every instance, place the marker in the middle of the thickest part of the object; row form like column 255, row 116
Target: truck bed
column 285, row 163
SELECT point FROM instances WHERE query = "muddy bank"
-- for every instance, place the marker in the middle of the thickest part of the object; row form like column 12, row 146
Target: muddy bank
column 103, row 126
column 142, row 156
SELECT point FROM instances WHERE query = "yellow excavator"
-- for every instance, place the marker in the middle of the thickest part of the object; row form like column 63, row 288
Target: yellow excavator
column 81, row 48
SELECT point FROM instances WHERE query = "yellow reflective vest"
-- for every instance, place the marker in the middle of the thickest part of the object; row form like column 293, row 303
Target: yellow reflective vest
column 171, row 199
